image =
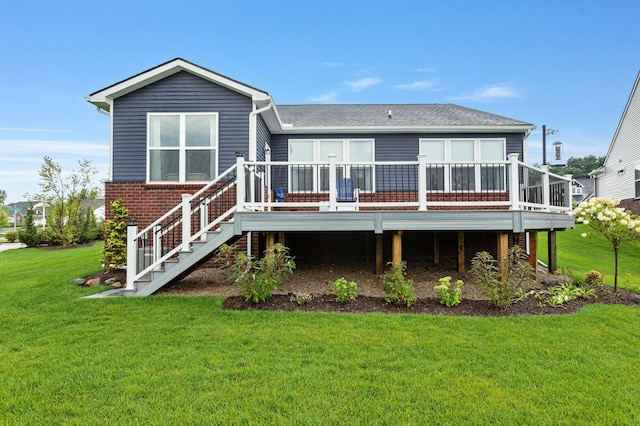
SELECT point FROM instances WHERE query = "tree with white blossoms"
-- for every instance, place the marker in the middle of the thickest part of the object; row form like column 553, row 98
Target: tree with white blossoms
column 614, row 223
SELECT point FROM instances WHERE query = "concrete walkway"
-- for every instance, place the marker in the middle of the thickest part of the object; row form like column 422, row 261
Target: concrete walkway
column 11, row 246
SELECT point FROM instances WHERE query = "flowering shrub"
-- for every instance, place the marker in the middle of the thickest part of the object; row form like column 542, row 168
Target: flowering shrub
column 449, row 296
column 614, row 223
column 397, row 287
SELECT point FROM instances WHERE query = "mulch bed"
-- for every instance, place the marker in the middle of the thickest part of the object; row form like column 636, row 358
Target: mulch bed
column 365, row 304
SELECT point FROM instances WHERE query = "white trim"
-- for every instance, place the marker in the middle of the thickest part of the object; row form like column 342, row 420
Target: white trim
column 103, row 97
column 182, row 148
column 402, row 129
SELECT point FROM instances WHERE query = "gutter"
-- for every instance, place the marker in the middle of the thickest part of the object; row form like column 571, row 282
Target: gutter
column 253, row 130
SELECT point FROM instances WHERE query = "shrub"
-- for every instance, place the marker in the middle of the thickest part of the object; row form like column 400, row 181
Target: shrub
column 593, row 278
column 448, row 296
column 397, row 287
column 487, row 275
column 114, row 253
column 300, row 298
column 346, row 291
column 11, row 236
column 563, row 293
column 257, row 278
column 29, row 234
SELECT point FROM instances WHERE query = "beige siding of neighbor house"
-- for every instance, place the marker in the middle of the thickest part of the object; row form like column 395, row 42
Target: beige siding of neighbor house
column 618, row 180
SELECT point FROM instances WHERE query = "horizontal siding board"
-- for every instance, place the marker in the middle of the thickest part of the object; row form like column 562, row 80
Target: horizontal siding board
column 181, row 92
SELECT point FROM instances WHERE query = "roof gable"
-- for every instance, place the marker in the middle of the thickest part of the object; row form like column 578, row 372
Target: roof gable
column 103, row 98
column 635, row 95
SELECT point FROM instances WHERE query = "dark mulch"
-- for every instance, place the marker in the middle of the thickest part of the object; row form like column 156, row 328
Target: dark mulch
column 364, row 304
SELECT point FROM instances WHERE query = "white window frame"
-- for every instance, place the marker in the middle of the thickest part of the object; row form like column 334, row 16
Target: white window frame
column 182, row 148
column 317, row 185
column 477, row 152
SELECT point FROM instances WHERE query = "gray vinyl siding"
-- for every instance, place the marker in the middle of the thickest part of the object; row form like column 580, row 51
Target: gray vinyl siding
column 263, row 138
column 181, row 92
column 396, row 147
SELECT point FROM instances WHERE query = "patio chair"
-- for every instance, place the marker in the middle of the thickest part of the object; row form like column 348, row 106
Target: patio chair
column 347, row 192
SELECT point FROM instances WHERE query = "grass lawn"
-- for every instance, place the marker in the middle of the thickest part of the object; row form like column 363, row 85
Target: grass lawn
column 177, row 360
column 578, row 255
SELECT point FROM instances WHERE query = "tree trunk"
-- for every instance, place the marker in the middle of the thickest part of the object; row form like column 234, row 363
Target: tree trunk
column 615, row 276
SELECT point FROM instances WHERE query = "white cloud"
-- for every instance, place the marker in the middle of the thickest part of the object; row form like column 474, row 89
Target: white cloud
column 363, row 83
column 489, row 93
column 19, row 129
column 419, row 85
column 325, row 98
column 53, row 147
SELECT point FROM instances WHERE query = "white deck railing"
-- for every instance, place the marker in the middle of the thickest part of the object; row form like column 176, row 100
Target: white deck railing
column 409, row 185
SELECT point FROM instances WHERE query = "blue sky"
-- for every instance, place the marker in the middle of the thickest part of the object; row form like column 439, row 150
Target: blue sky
column 567, row 64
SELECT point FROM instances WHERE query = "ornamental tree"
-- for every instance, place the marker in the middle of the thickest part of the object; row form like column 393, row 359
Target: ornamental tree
column 614, row 223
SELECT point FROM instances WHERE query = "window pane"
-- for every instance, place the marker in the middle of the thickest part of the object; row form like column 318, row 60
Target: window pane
column 462, row 178
column 433, row 149
column 300, row 151
column 492, row 178
column 361, row 150
column 491, row 150
column 201, row 165
column 435, row 178
column 164, row 130
column 462, row 150
column 302, row 178
column 200, row 130
column 164, row 165
column 363, row 176
column 331, row 147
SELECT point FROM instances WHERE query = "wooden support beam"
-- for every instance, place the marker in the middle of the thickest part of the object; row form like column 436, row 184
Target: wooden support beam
column 461, row 266
column 503, row 253
column 271, row 240
column 379, row 260
column 436, row 248
column 397, row 247
column 281, row 238
column 533, row 253
column 552, row 251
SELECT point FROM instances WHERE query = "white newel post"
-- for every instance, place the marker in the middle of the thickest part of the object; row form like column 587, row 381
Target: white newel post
column 546, row 193
column 132, row 253
column 333, row 205
column 186, row 221
column 422, row 182
column 568, row 197
column 514, row 181
column 157, row 243
column 240, row 181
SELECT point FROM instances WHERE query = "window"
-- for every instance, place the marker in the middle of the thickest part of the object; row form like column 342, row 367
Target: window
column 637, row 178
column 182, row 147
column 312, row 177
column 451, row 164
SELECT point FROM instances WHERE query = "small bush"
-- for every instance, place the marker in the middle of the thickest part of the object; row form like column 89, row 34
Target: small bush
column 345, row 291
column 594, row 278
column 257, row 278
column 300, row 298
column 29, row 234
column 487, row 275
column 11, row 236
column 448, row 296
column 564, row 292
column 397, row 287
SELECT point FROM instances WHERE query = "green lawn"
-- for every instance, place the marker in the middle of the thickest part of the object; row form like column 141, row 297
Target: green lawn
column 172, row 360
column 578, row 255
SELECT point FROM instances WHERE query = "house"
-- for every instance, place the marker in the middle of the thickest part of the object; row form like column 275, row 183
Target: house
column 619, row 177
column 582, row 189
column 200, row 159
column 17, row 212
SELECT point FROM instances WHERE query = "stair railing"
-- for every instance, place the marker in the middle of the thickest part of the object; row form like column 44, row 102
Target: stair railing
column 180, row 227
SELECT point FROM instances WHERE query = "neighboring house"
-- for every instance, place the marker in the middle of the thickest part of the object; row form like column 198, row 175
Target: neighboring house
column 619, row 177
column 582, row 189
column 17, row 212
column 200, row 159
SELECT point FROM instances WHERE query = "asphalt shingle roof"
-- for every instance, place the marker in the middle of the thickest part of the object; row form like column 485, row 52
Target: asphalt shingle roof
column 402, row 115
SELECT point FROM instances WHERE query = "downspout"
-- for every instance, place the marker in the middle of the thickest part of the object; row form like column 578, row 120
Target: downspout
column 253, row 130
column 108, row 114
